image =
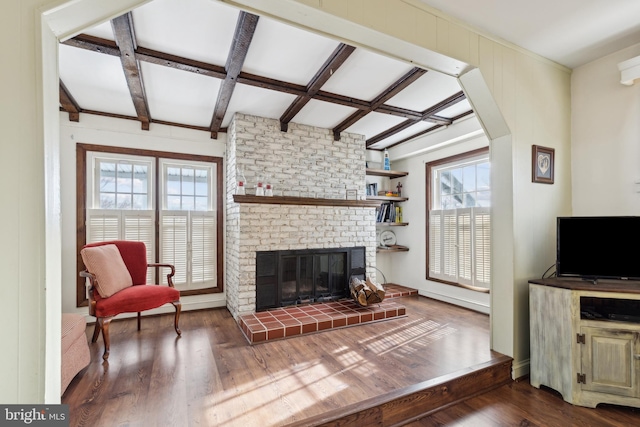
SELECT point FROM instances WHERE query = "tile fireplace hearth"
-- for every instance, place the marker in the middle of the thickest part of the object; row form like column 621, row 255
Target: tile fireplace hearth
column 292, row 321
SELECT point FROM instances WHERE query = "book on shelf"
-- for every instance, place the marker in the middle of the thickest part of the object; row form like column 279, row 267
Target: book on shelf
column 387, row 212
column 372, row 189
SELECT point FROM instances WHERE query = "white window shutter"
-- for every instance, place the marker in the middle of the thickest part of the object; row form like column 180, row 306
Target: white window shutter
column 435, row 243
column 174, row 243
column 482, row 247
column 103, row 225
column 450, row 245
column 203, row 249
column 464, row 246
column 139, row 226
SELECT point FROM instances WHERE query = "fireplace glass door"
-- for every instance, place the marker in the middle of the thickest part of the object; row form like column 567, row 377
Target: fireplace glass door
column 304, row 276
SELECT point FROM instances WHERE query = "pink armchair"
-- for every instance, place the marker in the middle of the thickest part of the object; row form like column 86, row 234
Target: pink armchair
column 117, row 272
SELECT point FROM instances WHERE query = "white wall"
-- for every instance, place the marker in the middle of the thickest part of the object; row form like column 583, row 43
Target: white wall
column 410, row 268
column 100, row 130
column 605, row 142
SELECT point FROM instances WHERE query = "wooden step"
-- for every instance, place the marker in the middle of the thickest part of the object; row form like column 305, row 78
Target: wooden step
column 422, row 399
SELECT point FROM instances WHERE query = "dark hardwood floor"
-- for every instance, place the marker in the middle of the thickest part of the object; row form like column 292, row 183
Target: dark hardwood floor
column 520, row 404
column 211, row 376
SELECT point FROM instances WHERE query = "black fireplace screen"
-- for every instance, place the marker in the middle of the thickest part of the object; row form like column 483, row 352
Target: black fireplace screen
column 302, row 276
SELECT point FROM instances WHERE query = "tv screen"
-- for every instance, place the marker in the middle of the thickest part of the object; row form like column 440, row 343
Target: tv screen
column 598, row 247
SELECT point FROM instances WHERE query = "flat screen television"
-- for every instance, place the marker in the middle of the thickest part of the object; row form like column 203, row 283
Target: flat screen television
column 598, row 247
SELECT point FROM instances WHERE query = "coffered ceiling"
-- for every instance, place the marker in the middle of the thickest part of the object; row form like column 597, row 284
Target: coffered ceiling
column 194, row 63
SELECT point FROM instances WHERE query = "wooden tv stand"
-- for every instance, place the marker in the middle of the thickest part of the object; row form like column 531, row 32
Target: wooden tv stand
column 585, row 340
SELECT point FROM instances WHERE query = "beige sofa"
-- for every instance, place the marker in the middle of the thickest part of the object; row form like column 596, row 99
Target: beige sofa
column 75, row 347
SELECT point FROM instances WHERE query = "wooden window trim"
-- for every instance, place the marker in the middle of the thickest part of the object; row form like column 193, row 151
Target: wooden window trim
column 81, row 208
column 429, row 169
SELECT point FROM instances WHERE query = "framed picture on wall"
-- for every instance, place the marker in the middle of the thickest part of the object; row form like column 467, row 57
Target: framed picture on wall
column 542, row 164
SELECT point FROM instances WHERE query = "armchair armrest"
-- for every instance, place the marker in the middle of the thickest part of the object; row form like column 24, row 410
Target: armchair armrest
column 170, row 275
column 89, row 289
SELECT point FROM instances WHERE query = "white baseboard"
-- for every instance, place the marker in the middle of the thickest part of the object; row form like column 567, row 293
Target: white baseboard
column 520, row 369
column 472, row 305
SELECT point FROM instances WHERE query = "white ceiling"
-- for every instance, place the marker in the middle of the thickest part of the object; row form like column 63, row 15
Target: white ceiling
column 569, row 32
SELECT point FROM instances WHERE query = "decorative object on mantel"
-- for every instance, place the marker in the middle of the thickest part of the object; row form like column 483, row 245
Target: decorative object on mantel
column 240, row 189
column 259, row 187
column 542, row 164
column 352, row 194
column 268, row 191
column 365, row 292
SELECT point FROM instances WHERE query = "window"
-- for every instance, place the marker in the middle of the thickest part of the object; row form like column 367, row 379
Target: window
column 188, row 223
column 459, row 220
column 171, row 202
column 120, row 201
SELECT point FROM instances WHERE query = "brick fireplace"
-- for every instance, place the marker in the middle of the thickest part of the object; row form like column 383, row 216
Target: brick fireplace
column 302, row 162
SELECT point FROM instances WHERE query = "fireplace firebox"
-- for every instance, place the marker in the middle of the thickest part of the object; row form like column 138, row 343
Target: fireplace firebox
column 303, row 276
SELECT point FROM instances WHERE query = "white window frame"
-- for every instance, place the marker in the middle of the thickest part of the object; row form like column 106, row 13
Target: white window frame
column 462, row 255
column 180, row 249
column 166, row 163
column 118, row 218
column 93, row 171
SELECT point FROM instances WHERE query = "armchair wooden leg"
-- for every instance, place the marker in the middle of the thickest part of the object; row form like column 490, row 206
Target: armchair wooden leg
column 96, row 330
column 105, row 336
column 178, row 306
column 138, row 320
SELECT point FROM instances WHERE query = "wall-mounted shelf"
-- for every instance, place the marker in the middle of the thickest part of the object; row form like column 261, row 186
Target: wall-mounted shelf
column 388, row 198
column 393, row 248
column 383, row 200
column 390, row 174
column 305, row 201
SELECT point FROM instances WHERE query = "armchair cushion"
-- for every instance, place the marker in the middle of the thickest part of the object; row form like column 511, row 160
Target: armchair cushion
column 105, row 262
column 136, row 298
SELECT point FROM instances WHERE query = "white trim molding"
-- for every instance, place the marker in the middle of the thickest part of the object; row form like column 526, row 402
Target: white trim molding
column 629, row 71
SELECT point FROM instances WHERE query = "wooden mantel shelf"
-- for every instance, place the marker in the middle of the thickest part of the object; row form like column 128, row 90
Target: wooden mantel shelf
column 286, row 200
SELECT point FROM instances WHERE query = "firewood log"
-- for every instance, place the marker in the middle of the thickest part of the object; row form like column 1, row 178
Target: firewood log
column 376, row 290
column 357, row 284
column 357, row 288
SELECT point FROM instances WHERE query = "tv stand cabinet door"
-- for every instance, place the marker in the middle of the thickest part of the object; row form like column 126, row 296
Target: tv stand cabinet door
column 552, row 338
column 608, row 361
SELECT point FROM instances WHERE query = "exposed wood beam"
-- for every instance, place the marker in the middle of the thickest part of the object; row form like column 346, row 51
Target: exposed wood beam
column 397, row 87
column 179, row 63
column 430, row 114
column 443, row 105
column 125, row 38
column 69, row 104
column 337, row 58
column 431, row 129
column 245, row 28
column 160, row 122
column 94, row 44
